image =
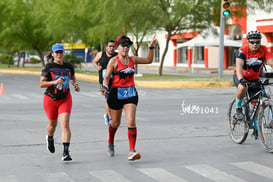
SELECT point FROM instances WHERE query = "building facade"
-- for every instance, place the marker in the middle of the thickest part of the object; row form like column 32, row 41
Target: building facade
column 189, row 50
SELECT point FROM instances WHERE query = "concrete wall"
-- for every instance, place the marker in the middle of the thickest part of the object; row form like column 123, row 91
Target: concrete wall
column 213, row 56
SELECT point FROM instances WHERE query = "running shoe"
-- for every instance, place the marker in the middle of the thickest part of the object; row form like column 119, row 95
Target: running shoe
column 133, row 155
column 110, row 121
column 106, row 119
column 111, row 150
column 255, row 134
column 50, row 144
column 239, row 114
column 66, row 156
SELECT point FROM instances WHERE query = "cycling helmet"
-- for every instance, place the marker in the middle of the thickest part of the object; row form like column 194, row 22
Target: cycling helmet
column 254, row 34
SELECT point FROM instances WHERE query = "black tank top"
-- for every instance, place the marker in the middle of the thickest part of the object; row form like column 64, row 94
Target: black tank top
column 103, row 62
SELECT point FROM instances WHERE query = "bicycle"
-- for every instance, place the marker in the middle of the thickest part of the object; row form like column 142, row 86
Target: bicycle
column 238, row 129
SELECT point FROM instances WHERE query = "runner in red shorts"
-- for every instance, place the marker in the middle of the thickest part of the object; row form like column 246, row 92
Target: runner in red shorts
column 57, row 98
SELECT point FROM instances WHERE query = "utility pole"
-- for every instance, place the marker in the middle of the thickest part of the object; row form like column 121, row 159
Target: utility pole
column 225, row 12
column 221, row 48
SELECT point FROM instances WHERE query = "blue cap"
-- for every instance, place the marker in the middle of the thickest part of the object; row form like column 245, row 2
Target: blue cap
column 57, row 47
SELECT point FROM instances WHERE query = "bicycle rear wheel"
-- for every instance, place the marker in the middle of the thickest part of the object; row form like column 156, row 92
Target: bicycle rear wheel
column 265, row 125
column 238, row 130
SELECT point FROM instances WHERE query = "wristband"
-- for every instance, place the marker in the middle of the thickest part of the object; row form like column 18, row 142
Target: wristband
column 151, row 47
column 105, row 87
column 243, row 81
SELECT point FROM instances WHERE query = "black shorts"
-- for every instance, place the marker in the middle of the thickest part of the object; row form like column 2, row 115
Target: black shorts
column 116, row 104
column 251, row 90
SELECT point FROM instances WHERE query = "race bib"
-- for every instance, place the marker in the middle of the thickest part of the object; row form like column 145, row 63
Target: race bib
column 103, row 74
column 126, row 92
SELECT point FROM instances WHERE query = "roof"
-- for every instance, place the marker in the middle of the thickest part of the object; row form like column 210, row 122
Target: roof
column 209, row 39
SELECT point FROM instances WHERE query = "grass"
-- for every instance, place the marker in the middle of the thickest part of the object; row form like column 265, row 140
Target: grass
column 6, row 66
column 145, row 77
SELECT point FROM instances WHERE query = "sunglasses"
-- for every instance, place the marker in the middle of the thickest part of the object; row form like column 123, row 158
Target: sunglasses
column 125, row 45
column 255, row 42
column 59, row 52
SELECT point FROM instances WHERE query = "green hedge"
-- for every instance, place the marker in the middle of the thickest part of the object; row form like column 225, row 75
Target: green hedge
column 4, row 59
column 72, row 58
column 34, row 61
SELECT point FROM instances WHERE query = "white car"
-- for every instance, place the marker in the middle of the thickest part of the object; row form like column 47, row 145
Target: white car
column 266, row 71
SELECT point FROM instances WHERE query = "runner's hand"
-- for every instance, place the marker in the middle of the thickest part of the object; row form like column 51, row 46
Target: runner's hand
column 60, row 81
column 76, row 87
column 104, row 89
column 153, row 41
column 243, row 82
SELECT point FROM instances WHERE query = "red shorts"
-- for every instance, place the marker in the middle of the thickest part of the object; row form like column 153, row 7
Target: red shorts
column 55, row 107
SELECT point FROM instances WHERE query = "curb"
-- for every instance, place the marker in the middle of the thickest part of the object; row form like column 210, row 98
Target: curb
column 146, row 84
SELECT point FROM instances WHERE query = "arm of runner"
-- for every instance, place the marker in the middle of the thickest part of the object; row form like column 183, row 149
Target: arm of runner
column 44, row 83
column 150, row 57
column 112, row 65
column 74, row 83
column 96, row 61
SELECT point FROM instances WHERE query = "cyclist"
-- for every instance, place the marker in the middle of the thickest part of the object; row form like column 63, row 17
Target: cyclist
column 249, row 61
column 100, row 62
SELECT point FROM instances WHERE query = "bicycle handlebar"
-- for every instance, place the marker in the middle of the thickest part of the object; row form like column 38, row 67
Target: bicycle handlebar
column 259, row 83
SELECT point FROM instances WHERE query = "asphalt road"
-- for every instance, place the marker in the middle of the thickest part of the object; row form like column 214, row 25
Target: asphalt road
column 176, row 145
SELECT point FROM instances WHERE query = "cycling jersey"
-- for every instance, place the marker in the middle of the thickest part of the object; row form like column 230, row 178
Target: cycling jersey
column 253, row 61
column 53, row 71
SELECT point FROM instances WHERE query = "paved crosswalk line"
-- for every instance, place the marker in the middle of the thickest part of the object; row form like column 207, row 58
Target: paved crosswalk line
column 108, row 175
column 213, row 173
column 56, row 177
column 255, row 168
column 8, row 179
column 160, row 174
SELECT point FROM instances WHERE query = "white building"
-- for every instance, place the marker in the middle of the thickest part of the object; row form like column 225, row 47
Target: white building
column 203, row 52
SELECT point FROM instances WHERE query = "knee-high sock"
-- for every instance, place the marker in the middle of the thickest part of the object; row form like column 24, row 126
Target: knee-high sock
column 239, row 103
column 112, row 132
column 132, row 135
column 255, row 123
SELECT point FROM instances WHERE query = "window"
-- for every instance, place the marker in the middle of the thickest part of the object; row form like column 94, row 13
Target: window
column 144, row 50
column 182, row 55
column 157, row 54
column 200, row 55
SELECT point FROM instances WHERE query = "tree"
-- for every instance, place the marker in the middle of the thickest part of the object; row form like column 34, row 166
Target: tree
column 114, row 18
column 24, row 27
column 181, row 16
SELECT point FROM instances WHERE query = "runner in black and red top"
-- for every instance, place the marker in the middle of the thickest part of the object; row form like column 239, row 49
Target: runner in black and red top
column 57, row 98
column 123, row 94
column 249, row 61
column 100, row 62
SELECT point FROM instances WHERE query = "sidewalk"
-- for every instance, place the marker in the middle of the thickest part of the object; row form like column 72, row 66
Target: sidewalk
column 200, row 72
column 208, row 72
column 196, row 72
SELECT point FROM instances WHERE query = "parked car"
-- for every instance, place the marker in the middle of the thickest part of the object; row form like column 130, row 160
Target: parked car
column 266, row 71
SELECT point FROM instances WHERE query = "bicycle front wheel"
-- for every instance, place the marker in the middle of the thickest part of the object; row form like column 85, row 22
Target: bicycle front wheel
column 265, row 125
column 238, row 130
